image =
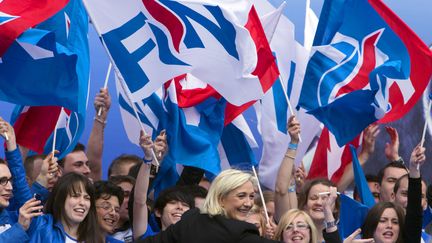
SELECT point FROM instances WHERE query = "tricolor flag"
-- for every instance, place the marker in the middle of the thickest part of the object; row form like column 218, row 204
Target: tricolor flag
column 219, row 42
column 363, row 70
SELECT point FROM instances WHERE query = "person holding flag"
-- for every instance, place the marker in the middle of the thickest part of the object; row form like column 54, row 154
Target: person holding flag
column 14, row 224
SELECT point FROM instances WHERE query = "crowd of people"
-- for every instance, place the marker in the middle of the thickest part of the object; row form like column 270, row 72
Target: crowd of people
column 43, row 199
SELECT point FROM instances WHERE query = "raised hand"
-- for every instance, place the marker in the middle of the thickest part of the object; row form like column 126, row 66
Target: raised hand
column 369, row 138
column 8, row 133
column 32, row 208
column 50, row 172
column 161, row 145
column 146, row 145
column 417, row 159
column 102, row 103
column 293, row 129
column 300, row 177
column 392, row 148
column 351, row 238
column 270, row 230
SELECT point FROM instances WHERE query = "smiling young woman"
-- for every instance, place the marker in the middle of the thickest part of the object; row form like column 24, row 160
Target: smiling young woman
column 70, row 213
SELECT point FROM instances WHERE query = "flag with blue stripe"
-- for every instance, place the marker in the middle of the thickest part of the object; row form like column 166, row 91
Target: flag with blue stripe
column 363, row 70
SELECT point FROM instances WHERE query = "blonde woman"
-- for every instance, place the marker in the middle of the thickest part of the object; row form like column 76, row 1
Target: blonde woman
column 296, row 226
column 222, row 217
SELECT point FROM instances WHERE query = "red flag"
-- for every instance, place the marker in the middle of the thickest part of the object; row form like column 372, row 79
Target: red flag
column 34, row 126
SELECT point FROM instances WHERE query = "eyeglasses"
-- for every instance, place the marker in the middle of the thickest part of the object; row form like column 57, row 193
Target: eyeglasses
column 299, row 226
column 4, row 180
column 108, row 207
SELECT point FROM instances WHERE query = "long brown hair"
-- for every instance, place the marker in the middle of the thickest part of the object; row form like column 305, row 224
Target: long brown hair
column 374, row 215
column 70, row 184
column 304, row 194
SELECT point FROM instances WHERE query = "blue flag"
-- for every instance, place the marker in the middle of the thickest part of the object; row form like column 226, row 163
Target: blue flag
column 49, row 64
column 60, row 79
column 360, row 180
column 237, row 149
column 352, row 215
column 71, row 29
column 36, row 70
column 194, row 133
column 363, row 69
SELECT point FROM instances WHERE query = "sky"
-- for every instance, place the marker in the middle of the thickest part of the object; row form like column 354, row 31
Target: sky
column 416, row 13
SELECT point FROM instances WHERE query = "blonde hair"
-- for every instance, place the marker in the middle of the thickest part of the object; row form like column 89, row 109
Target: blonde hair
column 257, row 210
column 288, row 217
column 222, row 185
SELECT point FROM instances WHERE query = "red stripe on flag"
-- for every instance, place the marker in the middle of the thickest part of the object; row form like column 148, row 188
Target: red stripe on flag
column 320, row 164
column 192, row 97
column 420, row 58
column 266, row 69
column 34, row 127
column 168, row 19
column 369, row 60
column 318, row 167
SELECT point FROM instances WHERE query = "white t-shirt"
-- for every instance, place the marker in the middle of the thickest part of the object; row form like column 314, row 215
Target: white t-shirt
column 4, row 227
column 69, row 239
column 125, row 236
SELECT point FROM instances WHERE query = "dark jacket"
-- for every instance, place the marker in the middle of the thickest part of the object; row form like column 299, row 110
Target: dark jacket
column 414, row 212
column 195, row 227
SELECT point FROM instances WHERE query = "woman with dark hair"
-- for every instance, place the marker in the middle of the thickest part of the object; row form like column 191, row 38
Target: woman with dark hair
column 384, row 223
column 70, row 213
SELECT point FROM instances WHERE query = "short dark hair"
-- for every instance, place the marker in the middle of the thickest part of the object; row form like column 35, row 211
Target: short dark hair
column 107, row 189
column 393, row 164
column 195, row 191
column 369, row 178
column 122, row 178
column 398, row 182
column 123, row 159
column 78, row 147
column 2, row 161
column 175, row 193
column 133, row 171
column 372, row 218
column 29, row 163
